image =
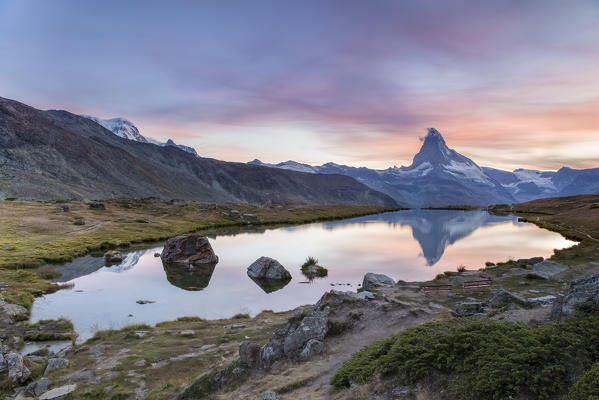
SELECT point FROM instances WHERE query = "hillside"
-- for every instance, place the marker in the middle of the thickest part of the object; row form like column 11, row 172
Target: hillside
column 57, row 155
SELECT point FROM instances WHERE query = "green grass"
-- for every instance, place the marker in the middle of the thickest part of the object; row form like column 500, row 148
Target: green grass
column 312, row 270
column 36, row 233
column 482, row 359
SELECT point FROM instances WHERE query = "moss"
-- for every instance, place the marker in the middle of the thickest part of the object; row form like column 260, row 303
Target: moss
column 481, row 359
column 240, row 316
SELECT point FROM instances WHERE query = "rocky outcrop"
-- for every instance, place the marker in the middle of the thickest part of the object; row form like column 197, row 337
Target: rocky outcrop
column 303, row 336
column 191, row 249
column 268, row 268
column 39, row 387
column 581, row 291
column 548, row 269
column 373, row 281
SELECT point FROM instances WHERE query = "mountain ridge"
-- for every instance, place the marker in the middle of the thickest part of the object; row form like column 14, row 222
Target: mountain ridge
column 440, row 176
column 49, row 155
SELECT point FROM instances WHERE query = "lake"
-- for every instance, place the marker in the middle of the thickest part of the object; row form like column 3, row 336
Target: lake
column 410, row 245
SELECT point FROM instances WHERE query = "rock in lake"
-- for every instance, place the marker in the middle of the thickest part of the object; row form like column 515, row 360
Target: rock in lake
column 191, row 249
column 374, row 281
column 268, row 268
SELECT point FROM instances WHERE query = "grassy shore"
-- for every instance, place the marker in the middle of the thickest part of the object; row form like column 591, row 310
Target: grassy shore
column 35, row 233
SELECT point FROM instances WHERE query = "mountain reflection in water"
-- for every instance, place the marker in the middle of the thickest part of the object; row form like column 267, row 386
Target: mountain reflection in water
column 412, row 245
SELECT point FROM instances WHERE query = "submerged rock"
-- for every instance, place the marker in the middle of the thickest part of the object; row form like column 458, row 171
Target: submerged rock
column 374, row 281
column 191, row 249
column 268, row 268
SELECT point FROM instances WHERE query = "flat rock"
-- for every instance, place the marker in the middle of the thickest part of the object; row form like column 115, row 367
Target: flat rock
column 547, row 269
column 190, row 249
column 58, row 393
column 373, row 281
column 268, row 268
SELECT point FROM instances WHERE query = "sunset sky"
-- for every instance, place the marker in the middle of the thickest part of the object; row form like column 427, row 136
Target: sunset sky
column 509, row 83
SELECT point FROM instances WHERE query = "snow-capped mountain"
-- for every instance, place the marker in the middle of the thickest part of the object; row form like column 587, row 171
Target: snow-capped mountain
column 120, row 127
column 125, row 129
column 440, row 176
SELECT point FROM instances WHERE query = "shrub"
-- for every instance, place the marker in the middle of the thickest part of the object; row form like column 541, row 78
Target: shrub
column 461, row 268
column 587, row 386
column 240, row 316
column 482, row 359
column 489, row 264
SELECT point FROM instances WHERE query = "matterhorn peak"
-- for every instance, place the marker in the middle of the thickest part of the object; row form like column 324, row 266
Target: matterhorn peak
column 433, row 150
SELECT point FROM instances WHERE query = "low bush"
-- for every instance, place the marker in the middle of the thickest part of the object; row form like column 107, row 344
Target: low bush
column 587, row 386
column 482, row 359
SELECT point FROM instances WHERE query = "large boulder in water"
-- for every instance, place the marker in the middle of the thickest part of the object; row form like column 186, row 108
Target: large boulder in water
column 191, row 249
column 268, row 268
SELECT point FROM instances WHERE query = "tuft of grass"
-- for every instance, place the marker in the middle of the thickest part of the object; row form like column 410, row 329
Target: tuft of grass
column 240, row 316
column 481, row 359
column 312, row 270
column 461, row 268
column 489, row 264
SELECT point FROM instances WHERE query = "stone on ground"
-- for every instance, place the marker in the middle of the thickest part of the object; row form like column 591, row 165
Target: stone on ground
column 374, row 281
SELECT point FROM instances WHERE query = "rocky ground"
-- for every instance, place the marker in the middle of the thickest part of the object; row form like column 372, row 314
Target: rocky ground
column 295, row 354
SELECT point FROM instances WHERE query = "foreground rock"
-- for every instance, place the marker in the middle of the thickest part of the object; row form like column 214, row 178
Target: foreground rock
column 374, row 281
column 191, row 249
column 12, row 363
column 58, row 393
column 268, row 268
column 581, row 291
column 548, row 269
column 12, row 312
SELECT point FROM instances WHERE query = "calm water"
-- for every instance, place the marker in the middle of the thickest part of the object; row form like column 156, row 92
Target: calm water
column 410, row 245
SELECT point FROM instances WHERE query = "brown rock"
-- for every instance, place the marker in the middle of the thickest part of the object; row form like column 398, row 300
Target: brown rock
column 191, row 249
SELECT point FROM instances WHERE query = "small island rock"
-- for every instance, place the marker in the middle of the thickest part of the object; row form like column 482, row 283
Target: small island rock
column 268, row 268
column 191, row 249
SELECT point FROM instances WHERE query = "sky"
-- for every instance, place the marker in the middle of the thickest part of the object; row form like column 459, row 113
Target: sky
column 509, row 83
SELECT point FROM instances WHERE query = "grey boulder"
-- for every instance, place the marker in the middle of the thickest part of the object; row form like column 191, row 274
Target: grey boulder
column 373, row 281
column 547, row 269
column 268, row 268
column 312, row 348
column 39, row 387
column 56, row 363
column 269, row 395
column 17, row 371
column 581, row 291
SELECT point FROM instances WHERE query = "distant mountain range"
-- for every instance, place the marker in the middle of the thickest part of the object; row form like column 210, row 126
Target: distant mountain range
column 440, row 176
column 59, row 155
column 125, row 129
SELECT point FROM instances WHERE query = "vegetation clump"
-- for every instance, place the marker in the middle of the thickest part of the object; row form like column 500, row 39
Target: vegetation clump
column 312, row 270
column 482, row 359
